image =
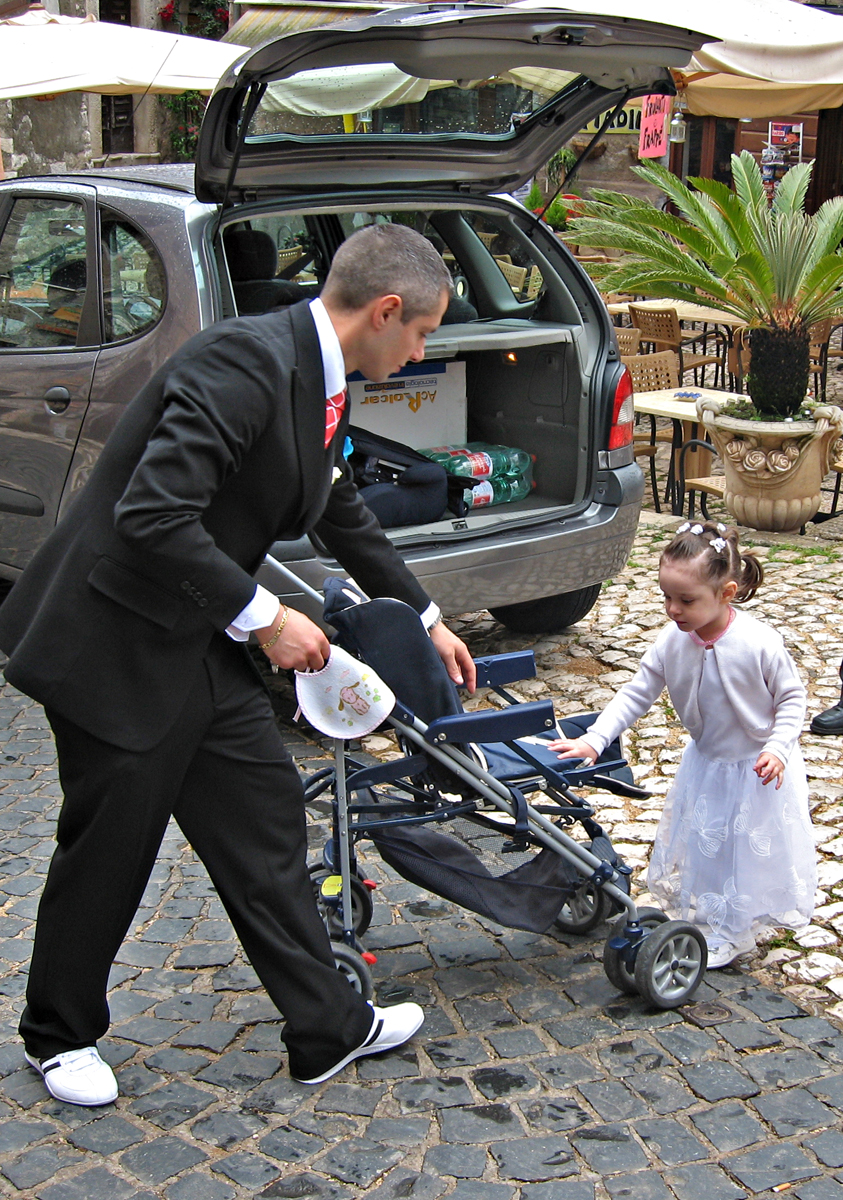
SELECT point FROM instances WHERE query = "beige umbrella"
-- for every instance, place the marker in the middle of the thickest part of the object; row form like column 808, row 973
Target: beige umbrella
column 44, row 54
column 766, row 58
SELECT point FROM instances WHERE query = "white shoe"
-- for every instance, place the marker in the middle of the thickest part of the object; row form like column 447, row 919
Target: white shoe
column 721, row 952
column 391, row 1027
column 77, row 1076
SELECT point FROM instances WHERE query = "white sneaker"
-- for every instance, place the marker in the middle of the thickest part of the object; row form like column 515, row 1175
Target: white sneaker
column 391, row 1027
column 721, row 951
column 77, row 1076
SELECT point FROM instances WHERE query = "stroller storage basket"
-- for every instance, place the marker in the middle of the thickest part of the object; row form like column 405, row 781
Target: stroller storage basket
column 528, row 897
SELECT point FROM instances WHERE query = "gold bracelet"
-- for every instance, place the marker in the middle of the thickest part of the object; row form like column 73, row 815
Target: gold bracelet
column 268, row 645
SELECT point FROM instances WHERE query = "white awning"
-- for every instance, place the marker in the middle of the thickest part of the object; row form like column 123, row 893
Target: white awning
column 773, row 57
column 43, row 55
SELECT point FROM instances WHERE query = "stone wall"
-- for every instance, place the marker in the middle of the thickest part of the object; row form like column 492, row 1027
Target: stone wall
column 64, row 132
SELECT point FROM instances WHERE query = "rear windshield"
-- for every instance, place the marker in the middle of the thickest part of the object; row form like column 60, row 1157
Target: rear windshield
column 380, row 99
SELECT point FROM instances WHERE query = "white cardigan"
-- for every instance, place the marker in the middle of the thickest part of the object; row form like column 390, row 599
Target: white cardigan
column 756, row 671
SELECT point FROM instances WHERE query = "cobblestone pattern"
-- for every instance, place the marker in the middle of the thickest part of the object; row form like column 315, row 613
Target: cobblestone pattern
column 532, row 1079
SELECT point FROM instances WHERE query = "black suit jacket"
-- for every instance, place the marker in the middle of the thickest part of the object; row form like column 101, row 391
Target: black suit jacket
column 221, row 454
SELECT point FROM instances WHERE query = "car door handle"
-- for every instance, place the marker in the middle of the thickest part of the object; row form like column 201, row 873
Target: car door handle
column 57, row 399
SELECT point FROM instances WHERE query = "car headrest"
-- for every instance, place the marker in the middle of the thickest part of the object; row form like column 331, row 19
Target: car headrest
column 251, row 254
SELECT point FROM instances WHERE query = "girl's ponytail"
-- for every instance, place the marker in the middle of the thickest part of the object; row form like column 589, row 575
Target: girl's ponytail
column 751, row 576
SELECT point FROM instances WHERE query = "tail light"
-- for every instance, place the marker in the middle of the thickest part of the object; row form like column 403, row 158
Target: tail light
column 623, row 413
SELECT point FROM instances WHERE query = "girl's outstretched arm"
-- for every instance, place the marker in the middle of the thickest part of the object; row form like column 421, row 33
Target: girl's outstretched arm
column 573, row 748
column 769, row 767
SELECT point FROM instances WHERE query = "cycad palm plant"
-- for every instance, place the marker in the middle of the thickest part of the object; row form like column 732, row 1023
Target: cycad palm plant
column 775, row 266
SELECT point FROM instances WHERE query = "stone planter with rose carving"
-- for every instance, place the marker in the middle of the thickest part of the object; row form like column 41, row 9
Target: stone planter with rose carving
column 774, row 469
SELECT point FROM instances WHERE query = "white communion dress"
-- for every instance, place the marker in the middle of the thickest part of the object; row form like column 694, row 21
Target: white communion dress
column 730, row 854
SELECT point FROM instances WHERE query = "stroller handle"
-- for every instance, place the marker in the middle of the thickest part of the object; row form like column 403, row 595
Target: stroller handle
column 295, row 579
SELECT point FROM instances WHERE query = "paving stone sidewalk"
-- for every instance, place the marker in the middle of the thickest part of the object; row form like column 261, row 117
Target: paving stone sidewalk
column 532, row 1079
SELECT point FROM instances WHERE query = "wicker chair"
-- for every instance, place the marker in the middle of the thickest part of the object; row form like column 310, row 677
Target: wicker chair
column 534, row 283
column 819, row 336
column 706, row 485
column 651, row 373
column 661, row 327
column 737, row 359
column 629, row 341
column 515, row 276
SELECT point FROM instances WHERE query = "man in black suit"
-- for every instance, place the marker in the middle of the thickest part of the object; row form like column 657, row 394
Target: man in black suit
column 128, row 627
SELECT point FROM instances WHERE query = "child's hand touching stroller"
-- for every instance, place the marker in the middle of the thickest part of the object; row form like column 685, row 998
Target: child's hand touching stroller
column 573, row 748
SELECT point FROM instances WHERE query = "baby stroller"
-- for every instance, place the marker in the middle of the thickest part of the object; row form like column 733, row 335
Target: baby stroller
column 472, row 793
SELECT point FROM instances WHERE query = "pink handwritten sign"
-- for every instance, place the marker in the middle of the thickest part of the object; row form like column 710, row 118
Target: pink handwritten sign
column 652, row 141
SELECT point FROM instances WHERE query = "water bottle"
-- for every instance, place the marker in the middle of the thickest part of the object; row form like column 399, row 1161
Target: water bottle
column 502, row 490
column 481, row 460
column 506, row 460
column 460, row 460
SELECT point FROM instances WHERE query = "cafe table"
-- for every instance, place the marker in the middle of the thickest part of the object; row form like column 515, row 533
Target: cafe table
column 679, row 405
column 686, row 312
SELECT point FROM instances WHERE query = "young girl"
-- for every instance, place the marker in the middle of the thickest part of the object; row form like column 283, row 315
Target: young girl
column 731, row 854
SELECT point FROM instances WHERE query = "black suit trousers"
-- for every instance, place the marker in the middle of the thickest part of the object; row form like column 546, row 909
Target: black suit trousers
column 222, row 771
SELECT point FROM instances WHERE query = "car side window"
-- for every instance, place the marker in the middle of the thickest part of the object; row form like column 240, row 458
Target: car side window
column 43, row 275
column 513, row 260
column 133, row 279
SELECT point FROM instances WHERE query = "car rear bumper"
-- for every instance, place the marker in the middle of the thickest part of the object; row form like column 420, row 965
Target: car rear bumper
column 507, row 568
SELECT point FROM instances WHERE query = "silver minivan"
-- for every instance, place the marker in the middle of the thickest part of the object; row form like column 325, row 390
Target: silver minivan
column 425, row 115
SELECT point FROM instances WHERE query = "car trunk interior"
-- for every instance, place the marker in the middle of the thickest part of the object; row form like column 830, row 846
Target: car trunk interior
column 522, row 391
column 510, row 364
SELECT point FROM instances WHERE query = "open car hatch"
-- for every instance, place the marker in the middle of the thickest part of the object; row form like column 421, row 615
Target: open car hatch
column 337, row 106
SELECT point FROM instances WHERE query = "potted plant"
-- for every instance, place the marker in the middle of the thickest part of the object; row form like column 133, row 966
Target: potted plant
column 774, row 266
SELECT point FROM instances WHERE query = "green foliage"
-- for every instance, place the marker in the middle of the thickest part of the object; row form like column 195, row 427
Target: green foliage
column 559, row 165
column 534, row 198
column 556, row 214
column 185, row 118
column 205, row 18
column 773, row 266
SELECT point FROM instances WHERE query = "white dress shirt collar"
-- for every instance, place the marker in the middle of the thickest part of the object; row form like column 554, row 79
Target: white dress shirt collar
column 333, row 363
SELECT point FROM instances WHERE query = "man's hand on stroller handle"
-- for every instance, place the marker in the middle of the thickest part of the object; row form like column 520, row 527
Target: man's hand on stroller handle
column 300, row 645
column 454, row 654
column 573, row 748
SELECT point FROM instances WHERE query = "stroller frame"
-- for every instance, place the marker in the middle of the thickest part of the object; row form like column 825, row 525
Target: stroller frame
column 662, row 960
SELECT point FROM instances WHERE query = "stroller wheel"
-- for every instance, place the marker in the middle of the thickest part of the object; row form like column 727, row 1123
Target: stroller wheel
column 670, row 964
column 620, row 974
column 362, row 907
column 354, row 969
column 587, row 907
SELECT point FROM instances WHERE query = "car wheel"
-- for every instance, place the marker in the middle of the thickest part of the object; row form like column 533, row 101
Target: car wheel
column 549, row 613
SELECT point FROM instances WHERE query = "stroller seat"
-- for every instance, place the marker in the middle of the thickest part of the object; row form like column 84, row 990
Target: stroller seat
column 388, row 636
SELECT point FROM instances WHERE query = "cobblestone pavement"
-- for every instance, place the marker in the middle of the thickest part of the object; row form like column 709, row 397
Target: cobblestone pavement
column 532, row 1079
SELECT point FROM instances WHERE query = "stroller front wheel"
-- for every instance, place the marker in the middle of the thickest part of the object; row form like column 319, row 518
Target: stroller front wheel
column 619, row 972
column 670, row 964
column 354, row 969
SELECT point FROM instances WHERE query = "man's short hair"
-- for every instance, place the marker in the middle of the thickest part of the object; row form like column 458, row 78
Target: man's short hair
column 386, row 260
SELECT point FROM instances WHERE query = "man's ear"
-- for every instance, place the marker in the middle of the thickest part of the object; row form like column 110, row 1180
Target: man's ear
column 385, row 308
